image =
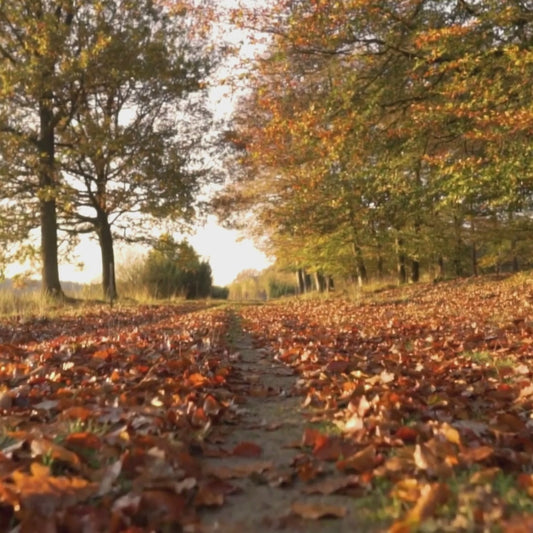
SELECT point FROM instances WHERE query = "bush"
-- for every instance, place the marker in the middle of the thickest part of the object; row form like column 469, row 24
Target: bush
column 219, row 293
column 174, row 269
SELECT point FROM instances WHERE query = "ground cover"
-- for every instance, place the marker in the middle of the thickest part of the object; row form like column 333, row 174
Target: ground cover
column 409, row 410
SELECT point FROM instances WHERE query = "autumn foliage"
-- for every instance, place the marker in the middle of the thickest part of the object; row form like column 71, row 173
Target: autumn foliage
column 388, row 138
column 422, row 395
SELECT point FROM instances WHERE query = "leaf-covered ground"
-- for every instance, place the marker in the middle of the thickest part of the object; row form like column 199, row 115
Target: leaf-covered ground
column 413, row 413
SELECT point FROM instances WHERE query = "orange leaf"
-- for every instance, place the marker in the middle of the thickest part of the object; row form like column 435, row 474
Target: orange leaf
column 211, row 405
column 247, row 449
column 327, row 448
column 85, row 440
column 431, row 496
column 77, row 412
column 198, row 417
column 197, row 380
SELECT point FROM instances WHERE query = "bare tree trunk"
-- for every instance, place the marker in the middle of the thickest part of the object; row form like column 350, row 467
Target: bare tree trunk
column 47, row 191
column 475, row 269
column 415, row 271
column 458, row 247
column 320, row 281
column 400, row 262
column 362, row 275
column 105, row 239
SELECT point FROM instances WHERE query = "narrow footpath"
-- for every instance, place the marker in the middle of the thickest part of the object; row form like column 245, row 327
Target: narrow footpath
column 274, row 483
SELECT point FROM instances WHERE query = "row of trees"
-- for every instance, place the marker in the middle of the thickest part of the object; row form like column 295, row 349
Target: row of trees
column 269, row 283
column 389, row 136
column 102, row 113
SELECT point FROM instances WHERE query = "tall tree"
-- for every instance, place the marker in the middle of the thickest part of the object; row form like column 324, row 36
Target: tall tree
column 38, row 55
column 90, row 102
column 141, row 117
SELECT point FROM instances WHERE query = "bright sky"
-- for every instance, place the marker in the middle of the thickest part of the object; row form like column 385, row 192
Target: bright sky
column 226, row 252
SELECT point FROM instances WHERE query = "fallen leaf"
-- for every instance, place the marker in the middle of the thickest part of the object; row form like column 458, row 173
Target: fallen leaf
column 247, row 449
column 361, row 461
column 333, row 485
column 315, row 511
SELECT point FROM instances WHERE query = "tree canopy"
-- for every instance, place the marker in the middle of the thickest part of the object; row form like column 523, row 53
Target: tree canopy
column 100, row 111
column 390, row 136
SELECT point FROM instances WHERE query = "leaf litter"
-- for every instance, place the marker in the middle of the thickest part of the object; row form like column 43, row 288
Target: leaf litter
column 398, row 415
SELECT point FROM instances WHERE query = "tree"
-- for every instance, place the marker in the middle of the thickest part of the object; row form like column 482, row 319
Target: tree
column 129, row 148
column 90, row 105
column 175, row 269
column 399, row 126
column 38, row 59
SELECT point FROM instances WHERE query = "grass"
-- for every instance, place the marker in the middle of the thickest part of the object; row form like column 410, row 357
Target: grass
column 377, row 507
column 489, row 359
column 23, row 303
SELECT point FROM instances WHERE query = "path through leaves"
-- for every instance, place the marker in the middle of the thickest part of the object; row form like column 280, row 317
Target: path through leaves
column 408, row 412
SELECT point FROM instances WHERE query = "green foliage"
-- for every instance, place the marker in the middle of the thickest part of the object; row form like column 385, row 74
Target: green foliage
column 174, row 269
column 385, row 138
column 102, row 108
column 219, row 293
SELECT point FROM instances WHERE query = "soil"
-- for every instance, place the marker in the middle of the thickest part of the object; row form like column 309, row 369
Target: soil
column 266, row 489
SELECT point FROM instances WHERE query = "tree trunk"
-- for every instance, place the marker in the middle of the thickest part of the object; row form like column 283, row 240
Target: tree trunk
column 415, row 271
column 457, row 260
column 307, row 282
column 516, row 264
column 475, row 269
column 362, row 276
column 440, row 264
column 105, row 239
column 47, row 203
column 300, row 281
column 381, row 266
column 320, row 282
column 400, row 262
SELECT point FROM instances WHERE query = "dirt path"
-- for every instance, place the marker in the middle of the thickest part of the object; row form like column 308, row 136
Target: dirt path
column 269, row 488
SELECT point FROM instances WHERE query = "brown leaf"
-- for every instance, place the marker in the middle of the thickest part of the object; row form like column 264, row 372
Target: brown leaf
column 332, row 485
column 84, row 440
column 509, row 422
column 162, row 506
column 327, row 448
column 361, row 461
column 247, row 449
column 407, row 434
column 476, row 455
column 213, row 493
column 431, row 496
column 315, row 511
column 41, row 447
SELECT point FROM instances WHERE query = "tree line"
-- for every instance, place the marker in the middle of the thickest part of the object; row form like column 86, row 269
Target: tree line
column 388, row 138
column 103, row 121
